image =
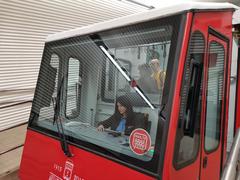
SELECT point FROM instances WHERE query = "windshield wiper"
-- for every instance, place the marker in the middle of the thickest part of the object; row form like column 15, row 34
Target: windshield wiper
column 57, row 119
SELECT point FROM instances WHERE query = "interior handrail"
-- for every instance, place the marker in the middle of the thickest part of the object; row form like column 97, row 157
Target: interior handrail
column 230, row 170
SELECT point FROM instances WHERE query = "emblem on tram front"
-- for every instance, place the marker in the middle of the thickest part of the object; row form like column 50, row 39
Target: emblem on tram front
column 140, row 141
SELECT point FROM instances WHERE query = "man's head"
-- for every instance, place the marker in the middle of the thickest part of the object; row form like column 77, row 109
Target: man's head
column 155, row 65
column 144, row 69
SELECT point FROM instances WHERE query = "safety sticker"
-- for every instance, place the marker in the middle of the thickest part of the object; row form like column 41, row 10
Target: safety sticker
column 140, row 141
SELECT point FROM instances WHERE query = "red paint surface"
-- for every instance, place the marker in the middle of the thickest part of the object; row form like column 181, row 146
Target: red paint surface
column 43, row 157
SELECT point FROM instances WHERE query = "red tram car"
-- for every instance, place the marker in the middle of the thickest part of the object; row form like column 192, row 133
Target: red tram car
column 172, row 66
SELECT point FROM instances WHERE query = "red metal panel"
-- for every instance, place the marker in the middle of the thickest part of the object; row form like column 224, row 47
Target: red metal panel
column 169, row 172
column 39, row 164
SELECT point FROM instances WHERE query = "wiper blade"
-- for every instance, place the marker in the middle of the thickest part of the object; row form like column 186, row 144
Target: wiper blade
column 58, row 120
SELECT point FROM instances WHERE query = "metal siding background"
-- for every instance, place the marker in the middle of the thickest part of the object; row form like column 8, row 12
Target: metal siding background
column 24, row 26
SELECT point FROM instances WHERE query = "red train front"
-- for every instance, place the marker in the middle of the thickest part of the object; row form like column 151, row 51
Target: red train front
column 142, row 97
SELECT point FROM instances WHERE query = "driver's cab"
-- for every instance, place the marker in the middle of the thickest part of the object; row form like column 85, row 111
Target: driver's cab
column 92, row 72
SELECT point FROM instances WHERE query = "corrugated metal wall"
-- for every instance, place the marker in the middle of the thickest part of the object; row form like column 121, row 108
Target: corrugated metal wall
column 24, row 25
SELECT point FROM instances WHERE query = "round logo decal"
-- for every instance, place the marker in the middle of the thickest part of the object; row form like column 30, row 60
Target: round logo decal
column 140, row 141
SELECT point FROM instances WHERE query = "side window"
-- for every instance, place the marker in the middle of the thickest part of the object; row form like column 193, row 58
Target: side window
column 214, row 95
column 73, row 88
column 187, row 136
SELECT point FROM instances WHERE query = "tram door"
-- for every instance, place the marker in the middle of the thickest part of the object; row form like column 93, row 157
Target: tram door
column 214, row 108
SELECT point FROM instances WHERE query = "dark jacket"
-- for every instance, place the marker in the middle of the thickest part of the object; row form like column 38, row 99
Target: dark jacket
column 140, row 120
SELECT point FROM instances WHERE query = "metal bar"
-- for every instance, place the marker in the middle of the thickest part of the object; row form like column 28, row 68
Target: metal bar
column 230, row 169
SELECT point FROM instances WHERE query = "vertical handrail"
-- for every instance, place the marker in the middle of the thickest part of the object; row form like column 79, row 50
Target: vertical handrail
column 230, row 169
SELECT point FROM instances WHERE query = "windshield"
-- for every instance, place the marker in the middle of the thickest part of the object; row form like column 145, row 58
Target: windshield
column 112, row 84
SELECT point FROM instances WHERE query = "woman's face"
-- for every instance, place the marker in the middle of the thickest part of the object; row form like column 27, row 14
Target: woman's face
column 121, row 109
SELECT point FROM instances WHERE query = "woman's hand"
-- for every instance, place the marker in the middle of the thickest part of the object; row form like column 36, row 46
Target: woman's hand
column 100, row 128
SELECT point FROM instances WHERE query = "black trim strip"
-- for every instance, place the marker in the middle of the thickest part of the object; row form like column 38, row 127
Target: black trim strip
column 217, row 34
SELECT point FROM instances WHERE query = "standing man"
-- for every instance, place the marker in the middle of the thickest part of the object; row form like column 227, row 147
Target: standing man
column 157, row 75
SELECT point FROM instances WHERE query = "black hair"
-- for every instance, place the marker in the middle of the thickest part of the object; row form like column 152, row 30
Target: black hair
column 124, row 101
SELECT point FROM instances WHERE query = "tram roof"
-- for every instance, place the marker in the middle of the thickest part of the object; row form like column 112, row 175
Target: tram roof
column 140, row 17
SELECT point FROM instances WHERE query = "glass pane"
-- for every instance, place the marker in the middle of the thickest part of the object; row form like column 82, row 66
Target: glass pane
column 214, row 95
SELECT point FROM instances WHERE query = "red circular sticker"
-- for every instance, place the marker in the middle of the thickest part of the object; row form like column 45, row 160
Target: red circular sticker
column 140, row 141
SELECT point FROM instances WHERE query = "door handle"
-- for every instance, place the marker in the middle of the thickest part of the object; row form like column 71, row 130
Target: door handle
column 205, row 160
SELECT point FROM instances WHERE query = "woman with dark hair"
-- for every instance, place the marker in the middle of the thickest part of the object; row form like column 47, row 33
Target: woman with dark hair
column 123, row 118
